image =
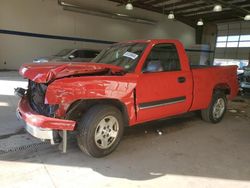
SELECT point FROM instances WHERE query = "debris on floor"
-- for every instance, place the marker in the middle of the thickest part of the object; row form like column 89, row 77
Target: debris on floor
column 232, row 111
column 238, row 100
column 159, row 132
column 240, row 107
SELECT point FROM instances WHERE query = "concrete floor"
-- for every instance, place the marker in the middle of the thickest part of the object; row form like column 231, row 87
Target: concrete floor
column 189, row 153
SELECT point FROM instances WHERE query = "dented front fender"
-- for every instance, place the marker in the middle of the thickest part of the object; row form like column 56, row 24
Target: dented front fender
column 67, row 90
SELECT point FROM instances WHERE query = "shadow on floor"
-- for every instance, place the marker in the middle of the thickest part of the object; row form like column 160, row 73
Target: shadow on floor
column 187, row 146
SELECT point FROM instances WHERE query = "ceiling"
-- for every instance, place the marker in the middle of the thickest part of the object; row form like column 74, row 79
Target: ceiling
column 190, row 11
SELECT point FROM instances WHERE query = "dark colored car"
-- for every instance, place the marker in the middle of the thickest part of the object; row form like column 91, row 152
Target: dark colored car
column 244, row 80
column 75, row 55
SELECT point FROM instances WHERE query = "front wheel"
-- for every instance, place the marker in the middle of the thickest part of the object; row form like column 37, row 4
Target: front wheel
column 100, row 130
column 217, row 108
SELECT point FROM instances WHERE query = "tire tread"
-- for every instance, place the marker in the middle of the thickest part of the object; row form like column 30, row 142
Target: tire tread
column 206, row 114
column 89, row 119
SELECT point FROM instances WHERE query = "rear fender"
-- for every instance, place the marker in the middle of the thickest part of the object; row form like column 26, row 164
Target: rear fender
column 224, row 87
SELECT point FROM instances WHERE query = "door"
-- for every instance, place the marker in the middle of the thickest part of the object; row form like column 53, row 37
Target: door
column 163, row 89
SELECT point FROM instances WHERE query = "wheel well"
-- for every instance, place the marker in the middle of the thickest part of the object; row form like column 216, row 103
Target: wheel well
column 223, row 88
column 79, row 107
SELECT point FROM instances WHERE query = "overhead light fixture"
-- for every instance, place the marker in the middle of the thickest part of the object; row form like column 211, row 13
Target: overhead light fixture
column 247, row 17
column 129, row 6
column 200, row 22
column 217, row 8
column 171, row 15
column 96, row 12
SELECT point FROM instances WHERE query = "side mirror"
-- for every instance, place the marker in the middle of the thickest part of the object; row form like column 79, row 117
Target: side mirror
column 71, row 57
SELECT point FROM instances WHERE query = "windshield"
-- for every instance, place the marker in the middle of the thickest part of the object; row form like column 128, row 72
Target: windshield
column 125, row 55
column 63, row 52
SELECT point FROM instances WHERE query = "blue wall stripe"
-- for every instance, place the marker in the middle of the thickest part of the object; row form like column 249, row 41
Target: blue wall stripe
column 193, row 50
column 58, row 37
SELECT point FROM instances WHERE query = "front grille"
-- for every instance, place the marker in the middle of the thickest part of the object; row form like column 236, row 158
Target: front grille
column 36, row 94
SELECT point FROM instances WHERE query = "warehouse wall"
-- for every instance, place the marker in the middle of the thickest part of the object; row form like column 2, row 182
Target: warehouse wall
column 47, row 17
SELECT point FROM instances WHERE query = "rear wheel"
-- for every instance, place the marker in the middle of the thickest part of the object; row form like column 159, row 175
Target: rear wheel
column 217, row 108
column 100, row 130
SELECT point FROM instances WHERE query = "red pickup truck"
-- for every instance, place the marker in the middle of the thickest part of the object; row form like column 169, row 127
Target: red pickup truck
column 126, row 84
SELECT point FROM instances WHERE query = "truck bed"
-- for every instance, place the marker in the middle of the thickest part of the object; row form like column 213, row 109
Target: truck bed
column 205, row 79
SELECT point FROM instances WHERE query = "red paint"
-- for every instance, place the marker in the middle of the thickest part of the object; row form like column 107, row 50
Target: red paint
column 206, row 79
column 32, row 118
column 68, row 90
column 64, row 90
column 46, row 72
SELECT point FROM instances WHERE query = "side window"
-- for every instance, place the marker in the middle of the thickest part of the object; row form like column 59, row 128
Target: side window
column 90, row 54
column 85, row 54
column 76, row 54
column 80, row 53
column 163, row 57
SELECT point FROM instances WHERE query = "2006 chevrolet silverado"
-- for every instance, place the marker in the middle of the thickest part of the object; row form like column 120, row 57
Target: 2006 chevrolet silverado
column 126, row 84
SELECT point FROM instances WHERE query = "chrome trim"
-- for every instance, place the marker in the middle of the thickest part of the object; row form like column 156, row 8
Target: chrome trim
column 18, row 115
column 163, row 104
column 44, row 134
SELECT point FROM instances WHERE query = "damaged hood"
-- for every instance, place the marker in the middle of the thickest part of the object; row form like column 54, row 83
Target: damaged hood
column 47, row 72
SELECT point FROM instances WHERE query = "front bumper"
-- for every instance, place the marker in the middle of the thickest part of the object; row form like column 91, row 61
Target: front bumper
column 44, row 134
column 41, row 126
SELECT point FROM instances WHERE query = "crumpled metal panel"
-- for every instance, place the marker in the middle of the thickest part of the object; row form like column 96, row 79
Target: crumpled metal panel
column 47, row 72
column 68, row 90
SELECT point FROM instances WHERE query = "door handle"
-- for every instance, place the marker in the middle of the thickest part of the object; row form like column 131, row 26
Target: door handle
column 181, row 79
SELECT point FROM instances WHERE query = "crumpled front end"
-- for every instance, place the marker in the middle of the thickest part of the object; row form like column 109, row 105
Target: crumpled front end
column 36, row 96
column 39, row 117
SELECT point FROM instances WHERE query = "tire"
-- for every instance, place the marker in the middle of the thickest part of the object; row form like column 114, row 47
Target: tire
column 217, row 108
column 100, row 130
